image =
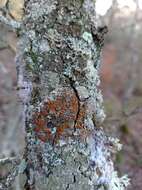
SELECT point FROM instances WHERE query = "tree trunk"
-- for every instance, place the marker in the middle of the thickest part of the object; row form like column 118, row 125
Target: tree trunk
column 58, row 63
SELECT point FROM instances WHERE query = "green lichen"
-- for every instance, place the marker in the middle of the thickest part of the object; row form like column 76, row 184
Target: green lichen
column 33, row 64
column 33, row 56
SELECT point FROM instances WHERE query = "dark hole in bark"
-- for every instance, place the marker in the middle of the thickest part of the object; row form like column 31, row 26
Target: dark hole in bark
column 92, row 163
column 50, row 125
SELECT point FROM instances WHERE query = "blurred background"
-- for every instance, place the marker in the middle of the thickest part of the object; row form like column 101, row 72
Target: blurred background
column 121, row 77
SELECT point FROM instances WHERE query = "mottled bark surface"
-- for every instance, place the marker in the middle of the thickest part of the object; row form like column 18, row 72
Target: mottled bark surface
column 58, row 62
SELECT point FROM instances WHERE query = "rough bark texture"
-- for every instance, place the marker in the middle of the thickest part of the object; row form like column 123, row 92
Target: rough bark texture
column 58, row 62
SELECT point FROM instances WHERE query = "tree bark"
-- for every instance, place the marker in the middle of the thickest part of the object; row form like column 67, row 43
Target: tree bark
column 58, row 62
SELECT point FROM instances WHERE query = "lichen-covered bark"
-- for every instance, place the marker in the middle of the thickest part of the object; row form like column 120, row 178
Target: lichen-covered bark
column 58, row 78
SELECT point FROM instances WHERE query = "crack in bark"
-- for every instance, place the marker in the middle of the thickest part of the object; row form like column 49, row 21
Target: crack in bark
column 67, row 186
column 77, row 96
column 75, row 92
column 30, row 183
column 74, row 181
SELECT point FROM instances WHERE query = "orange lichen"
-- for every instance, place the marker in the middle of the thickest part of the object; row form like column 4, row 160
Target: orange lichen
column 58, row 117
column 79, row 123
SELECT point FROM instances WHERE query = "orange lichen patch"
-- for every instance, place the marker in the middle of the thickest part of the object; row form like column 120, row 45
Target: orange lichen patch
column 58, row 117
column 81, row 116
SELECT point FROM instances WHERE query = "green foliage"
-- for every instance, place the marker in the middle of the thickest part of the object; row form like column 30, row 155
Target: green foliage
column 124, row 129
column 119, row 157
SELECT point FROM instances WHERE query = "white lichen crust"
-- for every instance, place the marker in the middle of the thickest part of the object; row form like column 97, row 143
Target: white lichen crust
column 57, row 58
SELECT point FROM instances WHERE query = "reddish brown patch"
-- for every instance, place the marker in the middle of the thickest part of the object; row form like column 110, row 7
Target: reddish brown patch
column 57, row 117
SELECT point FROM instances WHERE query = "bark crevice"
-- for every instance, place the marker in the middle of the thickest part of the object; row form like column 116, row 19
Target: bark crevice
column 72, row 82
